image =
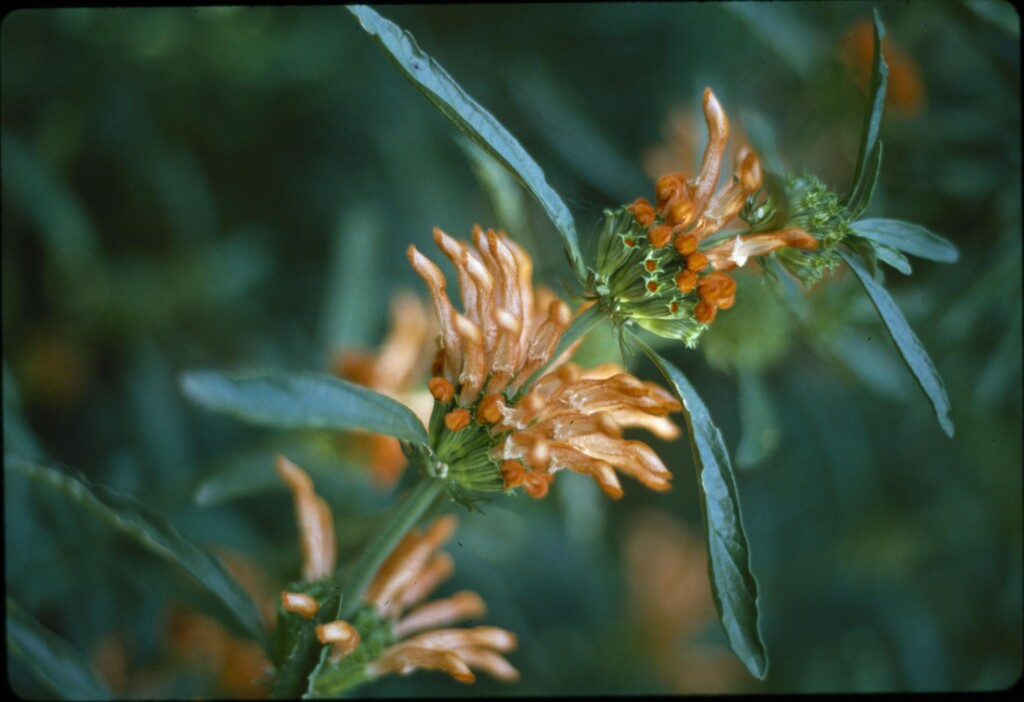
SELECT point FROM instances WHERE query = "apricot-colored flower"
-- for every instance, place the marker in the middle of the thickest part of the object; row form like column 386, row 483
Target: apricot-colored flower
column 316, row 525
column 425, row 636
column 487, row 355
column 420, row 634
column 674, row 291
column 670, row 595
column 397, row 369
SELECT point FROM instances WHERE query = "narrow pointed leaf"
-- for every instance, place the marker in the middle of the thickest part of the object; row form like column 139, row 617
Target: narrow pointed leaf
column 134, row 520
column 732, row 581
column 860, row 198
column 302, row 400
column 472, row 120
column 909, row 238
column 906, row 341
column 56, row 663
column 894, row 258
column 872, row 118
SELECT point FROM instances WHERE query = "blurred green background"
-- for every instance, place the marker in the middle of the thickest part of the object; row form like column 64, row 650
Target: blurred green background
column 236, row 187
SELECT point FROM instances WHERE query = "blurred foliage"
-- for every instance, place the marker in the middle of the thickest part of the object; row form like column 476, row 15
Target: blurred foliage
column 236, row 188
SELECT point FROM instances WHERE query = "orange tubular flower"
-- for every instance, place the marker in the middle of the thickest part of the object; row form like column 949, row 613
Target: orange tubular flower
column 316, row 524
column 426, row 639
column 672, row 290
column 568, row 418
column 397, row 370
column 414, row 634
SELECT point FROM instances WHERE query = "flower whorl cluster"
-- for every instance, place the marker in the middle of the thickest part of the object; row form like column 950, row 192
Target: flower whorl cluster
column 394, row 631
column 660, row 266
column 493, row 428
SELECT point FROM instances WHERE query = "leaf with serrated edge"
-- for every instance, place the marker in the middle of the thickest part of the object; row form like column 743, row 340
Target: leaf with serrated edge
column 136, row 521
column 909, row 238
column 910, row 347
column 732, row 582
column 472, row 120
column 302, row 400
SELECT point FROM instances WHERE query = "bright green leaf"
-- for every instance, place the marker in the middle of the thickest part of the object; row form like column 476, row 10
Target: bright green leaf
column 732, row 582
column 302, row 400
column 54, row 661
column 910, row 347
column 472, row 120
column 859, row 190
column 908, row 238
column 136, row 521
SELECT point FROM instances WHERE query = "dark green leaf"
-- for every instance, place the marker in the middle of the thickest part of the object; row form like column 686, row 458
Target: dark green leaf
column 297, row 400
column 859, row 190
column 134, row 520
column 54, row 661
column 860, row 198
column 909, row 238
column 893, row 258
column 906, row 341
column 472, row 120
column 732, row 582
column 502, row 190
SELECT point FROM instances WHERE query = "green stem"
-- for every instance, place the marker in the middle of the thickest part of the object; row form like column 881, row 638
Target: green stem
column 294, row 678
column 405, row 516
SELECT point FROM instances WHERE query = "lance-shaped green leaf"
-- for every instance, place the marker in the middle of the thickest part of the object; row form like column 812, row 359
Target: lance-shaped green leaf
column 56, row 663
column 868, row 159
column 302, row 400
column 906, row 341
column 909, row 238
column 134, row 520
column 732, row 582
column 894, row 258
column 472, row 120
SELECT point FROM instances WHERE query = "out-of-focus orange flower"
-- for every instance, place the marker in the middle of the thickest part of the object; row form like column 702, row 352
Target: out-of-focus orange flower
column 905, row 96
column 195, row 644
column 397, row 369
column 669, row 593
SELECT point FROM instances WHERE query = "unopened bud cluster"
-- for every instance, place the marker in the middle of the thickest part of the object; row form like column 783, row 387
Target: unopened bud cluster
column 816, row 209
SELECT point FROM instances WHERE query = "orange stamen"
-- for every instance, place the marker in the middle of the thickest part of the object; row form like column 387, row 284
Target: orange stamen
column 489, row 409
column 686, row 244
column 457, row 419
column 299, row 603
column 696, row 262
column 685, row 280
column 704, row 312
column 537, row 483
column 659, row 236
column 642, row 211
column 513, row 473
column 441, row 389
